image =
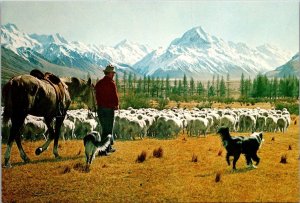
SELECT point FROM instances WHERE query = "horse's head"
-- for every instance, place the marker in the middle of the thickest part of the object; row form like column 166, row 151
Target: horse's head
column 82, row 90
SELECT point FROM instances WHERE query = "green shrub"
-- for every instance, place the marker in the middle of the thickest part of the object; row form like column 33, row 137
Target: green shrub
column 175, row 97
column 134, row 102
column 204, row 105
column 162, row 103
column 293, row 108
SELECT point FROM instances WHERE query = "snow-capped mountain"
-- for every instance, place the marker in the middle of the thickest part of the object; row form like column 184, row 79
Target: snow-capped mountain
column 196, row 53
column 129, row 53
column 292, row 67
column 139, row 66
column 57, row 50
column 199, row 54
column 13, row 39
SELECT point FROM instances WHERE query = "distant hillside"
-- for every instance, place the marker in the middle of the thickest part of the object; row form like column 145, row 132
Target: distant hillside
column 292, row 67
column 13, row 65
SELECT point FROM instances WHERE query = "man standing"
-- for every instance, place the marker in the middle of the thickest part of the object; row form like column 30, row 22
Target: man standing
column 107, row 101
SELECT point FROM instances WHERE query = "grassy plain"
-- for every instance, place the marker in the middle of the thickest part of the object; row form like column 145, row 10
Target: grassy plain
column 171, row 178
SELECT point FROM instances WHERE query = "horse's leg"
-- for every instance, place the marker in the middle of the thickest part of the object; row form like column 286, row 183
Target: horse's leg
column 45, row 146
column 15, row 134
column 58, row 123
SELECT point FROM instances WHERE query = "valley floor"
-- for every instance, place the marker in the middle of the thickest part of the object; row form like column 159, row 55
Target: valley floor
column 171, row 178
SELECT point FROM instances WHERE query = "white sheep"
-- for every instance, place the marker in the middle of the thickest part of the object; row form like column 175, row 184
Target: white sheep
column 261, row 123
column 136, row 127
column 281, row 124
column 67, row 130
column 34, row 128
column 271, row 123
column 249, row 123
column 228, row 121
column 198, row 125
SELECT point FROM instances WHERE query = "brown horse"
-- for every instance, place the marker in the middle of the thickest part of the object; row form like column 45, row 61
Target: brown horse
column 26, row 94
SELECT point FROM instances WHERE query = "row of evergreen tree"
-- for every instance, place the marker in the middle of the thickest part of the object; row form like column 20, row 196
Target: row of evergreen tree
column 259, row 87
column 263, row 87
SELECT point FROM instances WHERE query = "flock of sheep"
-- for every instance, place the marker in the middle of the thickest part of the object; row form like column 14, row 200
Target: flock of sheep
column 168, row 123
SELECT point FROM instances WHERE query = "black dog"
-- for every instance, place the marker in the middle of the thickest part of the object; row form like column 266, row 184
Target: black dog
column 93, row 145
column 238, row 145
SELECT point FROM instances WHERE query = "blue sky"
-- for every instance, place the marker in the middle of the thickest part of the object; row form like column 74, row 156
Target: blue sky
column 157, row 23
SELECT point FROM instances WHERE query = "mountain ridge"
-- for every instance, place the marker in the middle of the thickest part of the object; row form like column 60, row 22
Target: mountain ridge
column 196, row 53
column 200, row 55
column 291, row 68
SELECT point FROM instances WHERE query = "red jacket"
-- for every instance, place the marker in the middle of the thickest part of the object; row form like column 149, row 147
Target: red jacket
column 106, row 93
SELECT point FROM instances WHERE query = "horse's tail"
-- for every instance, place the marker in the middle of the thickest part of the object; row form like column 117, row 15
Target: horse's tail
column 6, row 95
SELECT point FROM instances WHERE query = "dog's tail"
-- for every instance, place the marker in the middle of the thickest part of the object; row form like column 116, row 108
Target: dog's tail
column 103, row 145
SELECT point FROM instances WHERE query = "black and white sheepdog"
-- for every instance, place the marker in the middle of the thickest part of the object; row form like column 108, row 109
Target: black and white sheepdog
column 237, row 145
column 93, row 145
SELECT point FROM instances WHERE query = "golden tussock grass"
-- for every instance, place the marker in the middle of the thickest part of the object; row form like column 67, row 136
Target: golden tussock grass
column 158, row 153
column 142, row 157
column 283, row 159
column 171, row 178
column 218, row 177
column 194, row 158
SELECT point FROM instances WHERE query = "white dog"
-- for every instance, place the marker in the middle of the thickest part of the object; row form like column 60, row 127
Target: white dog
column 93, row 145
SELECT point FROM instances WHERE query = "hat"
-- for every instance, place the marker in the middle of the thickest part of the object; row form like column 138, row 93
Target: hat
column 109, row 69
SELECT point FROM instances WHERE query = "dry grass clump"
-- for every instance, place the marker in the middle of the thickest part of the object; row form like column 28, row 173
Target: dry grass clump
column 273, row 139
column 283, row 159
column 67, row 170
column 194, row 158
column 142, row 157
column 220, row 152
column 79, row 152
column 218, row 177
column 158, row 153
column 294, row 119
column 290, row 147
column 82, row 167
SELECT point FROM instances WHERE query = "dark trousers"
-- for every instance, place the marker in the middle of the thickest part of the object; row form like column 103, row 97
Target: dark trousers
column 106, row 117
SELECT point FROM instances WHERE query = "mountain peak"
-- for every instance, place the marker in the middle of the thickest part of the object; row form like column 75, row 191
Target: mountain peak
column 195, row 37
column 57, row 38
column 268, row 46
column 124, row 42
column 198, row 31
column 10, row 27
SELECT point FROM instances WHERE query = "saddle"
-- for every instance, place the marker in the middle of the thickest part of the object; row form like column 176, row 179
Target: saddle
column 58, row 86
